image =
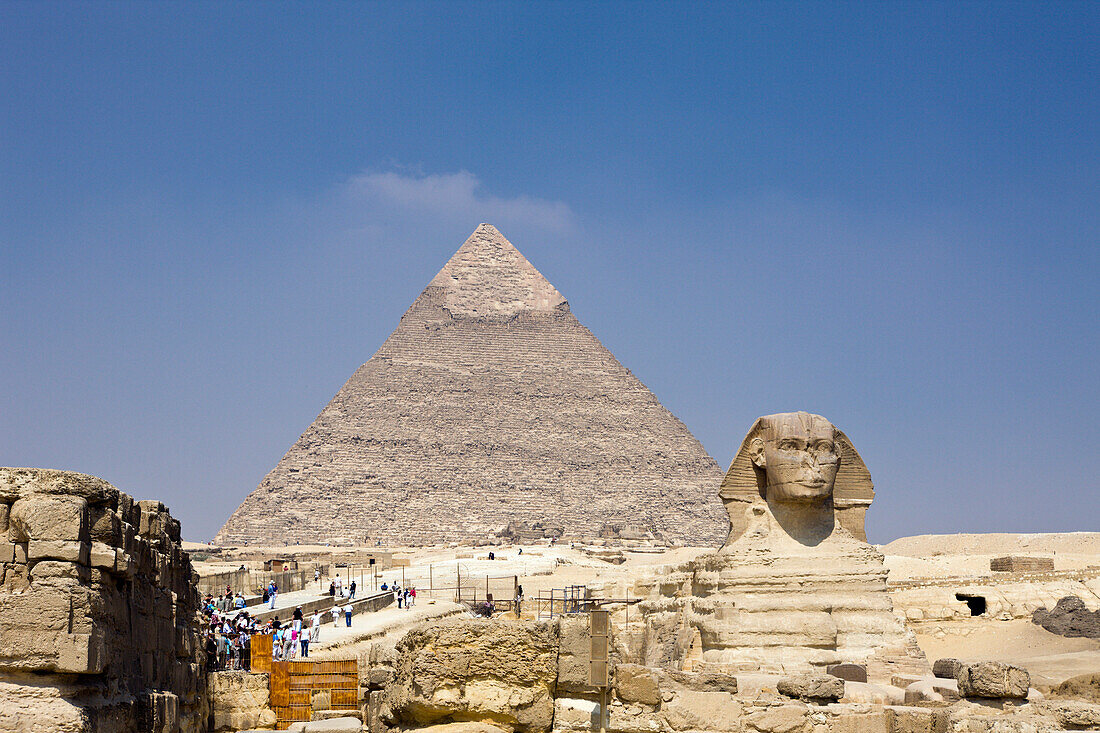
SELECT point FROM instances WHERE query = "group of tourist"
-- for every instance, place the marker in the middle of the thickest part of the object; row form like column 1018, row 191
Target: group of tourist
column 336, row 586
column 229, row 631
column 406, row 597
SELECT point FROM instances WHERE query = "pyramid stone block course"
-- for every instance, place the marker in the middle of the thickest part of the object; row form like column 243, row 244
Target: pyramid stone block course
column 489, row 403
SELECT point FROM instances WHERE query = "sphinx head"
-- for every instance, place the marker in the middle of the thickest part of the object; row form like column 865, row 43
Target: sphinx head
column 798, row 454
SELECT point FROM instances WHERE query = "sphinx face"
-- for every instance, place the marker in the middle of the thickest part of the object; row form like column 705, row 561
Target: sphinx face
column 798, row 454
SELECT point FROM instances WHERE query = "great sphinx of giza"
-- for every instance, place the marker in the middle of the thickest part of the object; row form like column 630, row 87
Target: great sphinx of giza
column 796, row 587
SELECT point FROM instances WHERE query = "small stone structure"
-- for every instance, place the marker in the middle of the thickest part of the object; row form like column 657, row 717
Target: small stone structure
column 796, row 587
column 1021, row 564
column 97, row 610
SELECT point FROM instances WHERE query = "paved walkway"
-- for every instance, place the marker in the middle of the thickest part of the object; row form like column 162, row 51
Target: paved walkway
column 376, row 624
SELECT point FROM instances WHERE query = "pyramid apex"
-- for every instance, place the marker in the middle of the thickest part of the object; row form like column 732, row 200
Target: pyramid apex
column 489, row 277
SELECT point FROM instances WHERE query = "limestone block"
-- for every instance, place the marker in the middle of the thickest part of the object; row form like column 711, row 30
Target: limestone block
column 5, row 511
column 635, row 683
column 993, row 680
column 58, row 550
column 44, row 569
column 819, row 688
column 901, row 719
column 102, row 556
column 699, row 681
column 779, row 719
column 19, row 482
column 105, row 526
column 947, row 668
column 47, row 517
column 124, row 564
column 1075, row 714
column 870, row 692
column 7, row 551
column 690, row 710
column 872, row 722
column 81, row 653
column 848, row 672
column 576, row 714
column 345, row 724
column 21, row 553
column 379, row 678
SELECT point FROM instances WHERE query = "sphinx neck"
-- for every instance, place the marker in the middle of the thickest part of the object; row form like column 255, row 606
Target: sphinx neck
column 808, row 523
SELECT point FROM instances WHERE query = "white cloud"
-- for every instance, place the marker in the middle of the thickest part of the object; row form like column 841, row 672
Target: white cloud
column 452, row 196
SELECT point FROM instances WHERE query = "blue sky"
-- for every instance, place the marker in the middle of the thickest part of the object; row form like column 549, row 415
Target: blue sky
column 211, row 214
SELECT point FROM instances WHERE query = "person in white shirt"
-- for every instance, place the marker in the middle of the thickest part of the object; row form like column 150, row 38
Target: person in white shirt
column 335, row 614
column 315, row 627
column 347, row 613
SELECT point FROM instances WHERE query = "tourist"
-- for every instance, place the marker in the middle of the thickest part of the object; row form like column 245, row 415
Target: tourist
column 317, row 577
column 277, row 645
column 211, row 652
column 303, row 640
column 351, row 590
column 400, row 595
column 315, row 627
column 240, row 602
column 332, row 588
column 347, row 613
column 339, row 585
column 298, row 617
column 335, row 611
column 290, row 643
column 412, row 596
column 246, row 653
column 384, row 586
column 223, row 648
column 272, row 591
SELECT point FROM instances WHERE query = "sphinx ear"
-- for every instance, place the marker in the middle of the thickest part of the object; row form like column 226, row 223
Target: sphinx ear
column 756, row 453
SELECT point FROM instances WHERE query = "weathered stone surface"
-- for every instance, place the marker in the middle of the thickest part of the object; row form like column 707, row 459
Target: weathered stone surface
column 1083, row 687
column 779, row 719
column 699, row 681
column 501, row 673
column 333, row 725
column 635, row 683
column 947, row 668
column 820, row 688
column 692, row 710
column 1075, row 714
column 488, row 393
column 993, row 680
column 917, row 720
column 67, row 614
column 1070, row 617
column 19, row 482
column 47, row 517
column 849, row 672
column 574, row 653
column 240, row 701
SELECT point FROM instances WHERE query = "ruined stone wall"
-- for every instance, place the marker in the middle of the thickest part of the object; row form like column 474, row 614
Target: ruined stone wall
column 98, row 630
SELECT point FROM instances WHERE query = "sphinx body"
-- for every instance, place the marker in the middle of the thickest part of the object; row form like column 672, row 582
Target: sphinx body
column 796, row 587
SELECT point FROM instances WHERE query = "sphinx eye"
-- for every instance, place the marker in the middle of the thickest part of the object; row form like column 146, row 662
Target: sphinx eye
column 824, row 446
column 788, row 444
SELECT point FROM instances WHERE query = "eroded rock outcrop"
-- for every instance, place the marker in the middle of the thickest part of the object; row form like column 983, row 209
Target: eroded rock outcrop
column 496, row 672
column 97, row 610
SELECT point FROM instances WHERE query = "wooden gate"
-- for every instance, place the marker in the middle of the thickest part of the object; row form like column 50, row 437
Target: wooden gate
column 261, row 652
column 294, row 685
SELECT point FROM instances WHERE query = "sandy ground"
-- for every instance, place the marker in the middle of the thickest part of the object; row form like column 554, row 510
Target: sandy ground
column 1048, row 657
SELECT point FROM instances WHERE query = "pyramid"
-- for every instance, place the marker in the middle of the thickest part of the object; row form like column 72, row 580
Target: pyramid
column 490, row 403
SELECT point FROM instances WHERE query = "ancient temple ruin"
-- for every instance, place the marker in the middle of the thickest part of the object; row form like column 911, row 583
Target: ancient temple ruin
column 489, row 404
column 97, row 610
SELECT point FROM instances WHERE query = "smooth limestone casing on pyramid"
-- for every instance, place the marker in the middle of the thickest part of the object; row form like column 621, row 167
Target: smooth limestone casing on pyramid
column 489, row 402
